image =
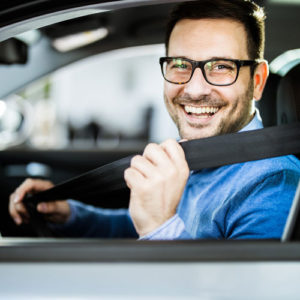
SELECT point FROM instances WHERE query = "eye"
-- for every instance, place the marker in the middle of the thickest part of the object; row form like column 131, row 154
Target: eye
column 181, row 66
column 178, row 64
column 220, row 66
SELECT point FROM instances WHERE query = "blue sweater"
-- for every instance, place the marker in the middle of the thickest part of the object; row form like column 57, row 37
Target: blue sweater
column 242, row 201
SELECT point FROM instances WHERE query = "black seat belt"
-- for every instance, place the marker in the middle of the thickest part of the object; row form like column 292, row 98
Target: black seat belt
column 210, row 152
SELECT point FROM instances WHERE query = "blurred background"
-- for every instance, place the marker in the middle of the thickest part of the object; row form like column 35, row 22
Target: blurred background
column 81, row 86
column 101, row 101
column 95, row 82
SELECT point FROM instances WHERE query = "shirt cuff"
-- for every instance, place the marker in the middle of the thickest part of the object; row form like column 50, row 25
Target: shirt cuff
column 73, row 212
column 172, row 229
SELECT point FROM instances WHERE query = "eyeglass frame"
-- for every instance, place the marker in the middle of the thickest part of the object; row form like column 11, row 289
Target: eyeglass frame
column 200, row 64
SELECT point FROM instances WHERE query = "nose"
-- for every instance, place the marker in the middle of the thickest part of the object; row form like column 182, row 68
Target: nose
column 197, row 86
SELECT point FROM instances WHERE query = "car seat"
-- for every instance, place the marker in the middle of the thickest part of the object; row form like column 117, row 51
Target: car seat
column 267, row 104
column 288, row 97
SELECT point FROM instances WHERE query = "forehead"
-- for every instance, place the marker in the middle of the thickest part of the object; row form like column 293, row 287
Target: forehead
column 206, row 38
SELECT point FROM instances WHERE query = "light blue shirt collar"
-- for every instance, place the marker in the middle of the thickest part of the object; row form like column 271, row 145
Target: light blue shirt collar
column 255, row 123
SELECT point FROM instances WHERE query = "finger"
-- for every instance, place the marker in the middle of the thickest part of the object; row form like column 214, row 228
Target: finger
column 48, row 207
column 14, row 214
column 142, row 165
column 175, row 152
column 17, row 207
column 183, row 140
column 30, row 186
column 156, row 154
column 21, row 209
column 56, row 211
column 133, row 178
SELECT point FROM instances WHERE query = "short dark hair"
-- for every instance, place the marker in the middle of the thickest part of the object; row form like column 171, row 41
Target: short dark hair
column 246, row 12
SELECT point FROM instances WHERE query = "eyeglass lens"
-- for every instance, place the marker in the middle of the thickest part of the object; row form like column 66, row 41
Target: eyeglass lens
column 220, row 72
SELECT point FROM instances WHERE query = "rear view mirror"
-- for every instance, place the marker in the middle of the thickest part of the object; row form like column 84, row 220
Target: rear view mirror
column 13, row 51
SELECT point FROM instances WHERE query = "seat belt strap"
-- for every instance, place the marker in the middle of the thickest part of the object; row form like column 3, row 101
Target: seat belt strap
column 103, row 182
column 243, row 146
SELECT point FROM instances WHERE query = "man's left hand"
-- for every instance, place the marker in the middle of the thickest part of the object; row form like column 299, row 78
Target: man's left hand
column 156, row 181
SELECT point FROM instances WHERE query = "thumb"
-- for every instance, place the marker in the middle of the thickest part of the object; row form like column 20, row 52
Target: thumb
column 47, row 207
column 183, row 140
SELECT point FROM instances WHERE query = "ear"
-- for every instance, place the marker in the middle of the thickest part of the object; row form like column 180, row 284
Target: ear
column 260, row 78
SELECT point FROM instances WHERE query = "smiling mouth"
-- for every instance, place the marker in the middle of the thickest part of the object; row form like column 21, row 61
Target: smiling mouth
column 201, row 112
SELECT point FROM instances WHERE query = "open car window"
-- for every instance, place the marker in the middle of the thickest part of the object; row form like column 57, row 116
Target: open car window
column 88, row 90
column 65, row 112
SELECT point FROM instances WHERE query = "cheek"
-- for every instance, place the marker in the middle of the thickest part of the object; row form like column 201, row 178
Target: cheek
column 244, row 84
column 227, row 94
column 171, row 91
column 235, row 94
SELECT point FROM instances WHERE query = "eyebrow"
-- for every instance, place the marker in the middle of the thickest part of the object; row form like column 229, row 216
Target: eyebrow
column 222, row 57
column 211, row 58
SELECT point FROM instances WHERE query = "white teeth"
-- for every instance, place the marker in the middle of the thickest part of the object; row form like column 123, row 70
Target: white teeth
column 201, row 110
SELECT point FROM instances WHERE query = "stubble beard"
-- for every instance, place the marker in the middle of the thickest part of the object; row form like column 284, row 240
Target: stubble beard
column 224, row 126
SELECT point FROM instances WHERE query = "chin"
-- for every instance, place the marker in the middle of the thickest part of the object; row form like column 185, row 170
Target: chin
column 198, row 133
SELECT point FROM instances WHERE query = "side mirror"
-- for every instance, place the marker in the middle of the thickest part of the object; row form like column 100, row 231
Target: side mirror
column 13, row 51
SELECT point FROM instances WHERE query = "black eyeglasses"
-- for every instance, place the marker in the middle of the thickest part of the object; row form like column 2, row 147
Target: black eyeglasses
column 220, row 72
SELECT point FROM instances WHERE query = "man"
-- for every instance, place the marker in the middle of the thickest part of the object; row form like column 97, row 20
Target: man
column 214, row 71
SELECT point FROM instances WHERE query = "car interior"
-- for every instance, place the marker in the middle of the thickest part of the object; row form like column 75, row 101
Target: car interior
column 81, row 87
column 24, row 60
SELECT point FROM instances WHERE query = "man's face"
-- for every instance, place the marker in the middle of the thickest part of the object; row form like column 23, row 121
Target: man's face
column 233, row 105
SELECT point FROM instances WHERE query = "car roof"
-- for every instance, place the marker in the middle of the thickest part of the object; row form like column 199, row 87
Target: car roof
column 130, row 23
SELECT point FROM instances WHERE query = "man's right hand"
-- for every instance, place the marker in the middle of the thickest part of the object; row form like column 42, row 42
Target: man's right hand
column 55, row 212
